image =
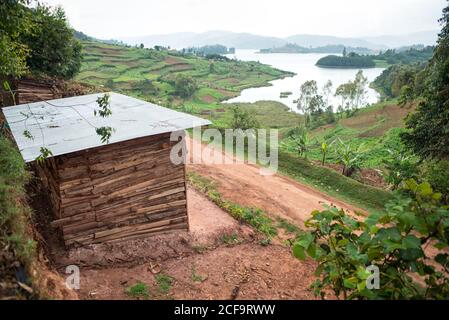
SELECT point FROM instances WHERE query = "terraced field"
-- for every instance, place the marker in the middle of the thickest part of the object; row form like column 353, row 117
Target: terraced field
column 149, row 74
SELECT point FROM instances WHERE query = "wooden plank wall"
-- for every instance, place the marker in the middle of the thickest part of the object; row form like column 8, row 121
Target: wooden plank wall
column 120, row 191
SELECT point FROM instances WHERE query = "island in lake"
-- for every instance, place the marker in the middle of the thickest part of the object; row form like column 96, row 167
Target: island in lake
column 384, row 59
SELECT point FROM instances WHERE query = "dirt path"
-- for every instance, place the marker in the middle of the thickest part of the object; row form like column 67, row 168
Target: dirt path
column 276, row 194
column 201, row 264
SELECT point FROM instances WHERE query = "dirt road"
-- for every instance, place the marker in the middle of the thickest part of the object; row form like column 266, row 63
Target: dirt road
column 276, row 194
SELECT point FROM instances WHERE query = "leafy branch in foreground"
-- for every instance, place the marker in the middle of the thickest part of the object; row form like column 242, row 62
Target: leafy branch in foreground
column 394, row 241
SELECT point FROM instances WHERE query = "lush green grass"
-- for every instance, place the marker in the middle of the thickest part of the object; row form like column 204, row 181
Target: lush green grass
column 331, row 182
column 148, row 74
column 269, row 114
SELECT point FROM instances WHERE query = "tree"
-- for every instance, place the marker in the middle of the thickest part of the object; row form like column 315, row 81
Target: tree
column 327, row 92
column 242, row 119
column 429, row 125
column 15, row 21
column 345, row 92
column 353, row 93
column 36, row 39
column 360, row 84
column 308, row 99
column 54, row 50
column 185, row 86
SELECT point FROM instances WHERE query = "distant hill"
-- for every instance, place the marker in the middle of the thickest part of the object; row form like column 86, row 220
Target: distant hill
column 189, row 39
column 252, row 41
column 307, row 40
column 294, row 48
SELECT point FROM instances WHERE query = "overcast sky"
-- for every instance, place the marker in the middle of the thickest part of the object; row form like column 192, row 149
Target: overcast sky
column 281, row 18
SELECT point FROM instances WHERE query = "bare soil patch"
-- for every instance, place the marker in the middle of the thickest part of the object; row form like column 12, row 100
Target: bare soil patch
column 247, row 271
column 208, row 99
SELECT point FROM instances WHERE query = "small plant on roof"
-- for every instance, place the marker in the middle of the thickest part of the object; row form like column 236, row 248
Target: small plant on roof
column 27, row 134
column 44, row 154
column 105, row 111
column 104, row 103
column 105, row 133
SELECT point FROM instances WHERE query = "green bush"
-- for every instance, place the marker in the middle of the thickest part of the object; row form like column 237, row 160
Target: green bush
column 16, row 244
column 437, row 174
column 393, row 241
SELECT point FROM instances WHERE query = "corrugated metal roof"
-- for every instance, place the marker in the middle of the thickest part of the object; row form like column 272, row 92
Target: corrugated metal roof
column 68, row 125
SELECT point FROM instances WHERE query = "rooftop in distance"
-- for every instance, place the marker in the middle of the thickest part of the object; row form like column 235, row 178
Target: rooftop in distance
column 68, row 125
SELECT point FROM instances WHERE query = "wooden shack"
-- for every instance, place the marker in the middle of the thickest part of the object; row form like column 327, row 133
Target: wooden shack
column 128, row 188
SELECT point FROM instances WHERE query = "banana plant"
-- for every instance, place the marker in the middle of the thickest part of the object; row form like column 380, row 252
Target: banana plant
column 350, row 159
column 324, row 150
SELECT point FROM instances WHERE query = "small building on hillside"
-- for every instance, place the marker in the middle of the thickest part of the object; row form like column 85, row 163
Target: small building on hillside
column 101, row 192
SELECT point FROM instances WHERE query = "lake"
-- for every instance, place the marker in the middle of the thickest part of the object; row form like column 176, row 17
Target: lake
column 304, row 67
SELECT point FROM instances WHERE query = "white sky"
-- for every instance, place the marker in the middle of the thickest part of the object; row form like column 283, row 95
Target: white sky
column 281, row 18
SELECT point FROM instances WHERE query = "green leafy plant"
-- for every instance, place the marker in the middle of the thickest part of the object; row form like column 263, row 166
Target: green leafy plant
column 393, row 241
column 300, row 139
column 27, row 134
column 105, row 133
column 400, row 166
column 44, row 154
column 349, row 158
column 324, row 150
column 104, row 104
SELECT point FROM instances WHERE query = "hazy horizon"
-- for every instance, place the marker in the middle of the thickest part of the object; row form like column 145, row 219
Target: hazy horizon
column 282, row 18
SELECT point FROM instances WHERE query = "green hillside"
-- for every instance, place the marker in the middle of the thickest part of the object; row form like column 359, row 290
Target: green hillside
column 150, row 74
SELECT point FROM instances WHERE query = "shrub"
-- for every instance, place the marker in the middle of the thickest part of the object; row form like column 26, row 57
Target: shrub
column 185, row 86
column 400, row 167
column 393, row 241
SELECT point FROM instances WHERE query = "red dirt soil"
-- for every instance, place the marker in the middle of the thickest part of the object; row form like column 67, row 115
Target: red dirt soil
column 278, row 195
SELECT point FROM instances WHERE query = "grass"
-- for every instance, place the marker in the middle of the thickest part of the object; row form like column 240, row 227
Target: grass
column 256, row 218
column 230, row 239
column 16, row 242
column 164, row 283
column 139, row 290
column 269, row 114
column 331, row 182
